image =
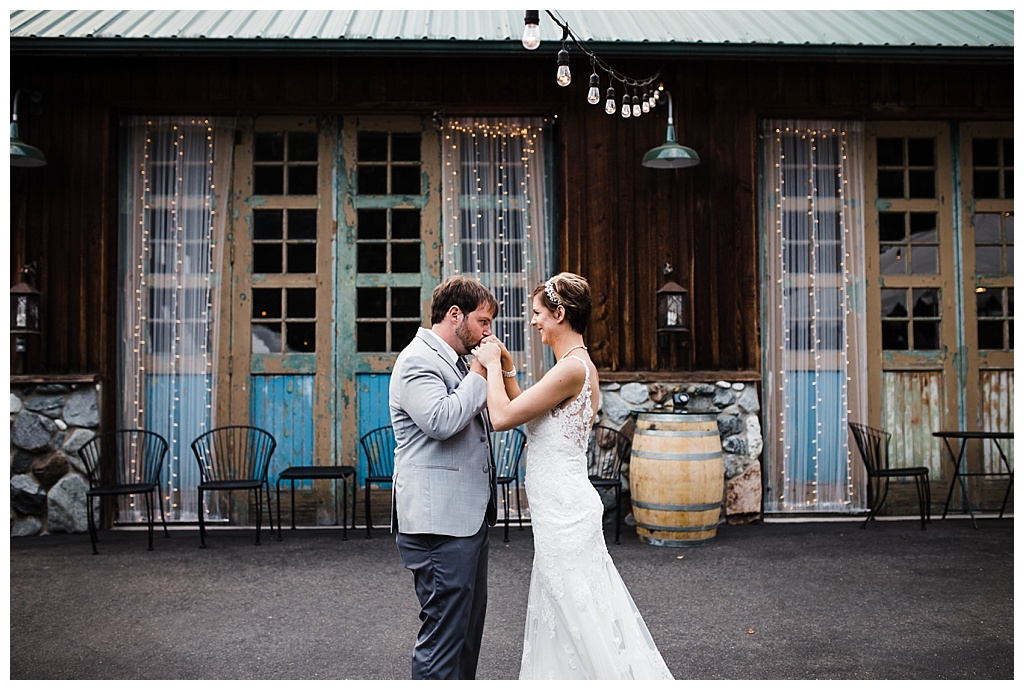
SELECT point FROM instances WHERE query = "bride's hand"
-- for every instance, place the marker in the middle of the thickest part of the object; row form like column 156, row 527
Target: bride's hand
column 487, row 353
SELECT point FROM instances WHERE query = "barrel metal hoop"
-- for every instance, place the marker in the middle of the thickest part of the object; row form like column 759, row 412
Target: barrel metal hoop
column 676, row 434
column 676, row 542
column 664, row 528
column 674, row 507
column 676, row 456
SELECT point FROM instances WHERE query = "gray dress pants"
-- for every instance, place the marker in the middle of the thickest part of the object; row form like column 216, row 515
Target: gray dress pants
column 450, row 575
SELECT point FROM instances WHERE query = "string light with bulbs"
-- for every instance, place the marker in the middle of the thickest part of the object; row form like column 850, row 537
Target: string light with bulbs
column 639, row 96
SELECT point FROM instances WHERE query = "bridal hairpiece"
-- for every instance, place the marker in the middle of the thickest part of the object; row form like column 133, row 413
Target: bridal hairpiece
column 549, row 290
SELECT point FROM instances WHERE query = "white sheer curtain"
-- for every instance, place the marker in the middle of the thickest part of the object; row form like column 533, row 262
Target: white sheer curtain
column 813, row 313
column 175, row 173
column 497, row 225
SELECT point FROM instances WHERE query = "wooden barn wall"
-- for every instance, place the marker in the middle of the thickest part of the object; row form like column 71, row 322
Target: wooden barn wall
column 617, row 222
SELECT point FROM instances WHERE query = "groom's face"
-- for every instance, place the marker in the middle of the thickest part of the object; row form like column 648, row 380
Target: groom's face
column 473, row 327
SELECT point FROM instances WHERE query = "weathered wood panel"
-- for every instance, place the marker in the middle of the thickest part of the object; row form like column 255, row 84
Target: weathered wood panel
column 617, row 222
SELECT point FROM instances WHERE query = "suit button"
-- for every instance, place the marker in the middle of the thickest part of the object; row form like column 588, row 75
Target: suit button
column 487, row 469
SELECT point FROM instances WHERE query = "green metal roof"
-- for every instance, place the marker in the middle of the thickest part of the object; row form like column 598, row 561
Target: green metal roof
column 724, row 32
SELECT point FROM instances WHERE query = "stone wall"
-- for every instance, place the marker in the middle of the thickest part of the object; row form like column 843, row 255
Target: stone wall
column 737, row 407
column 49, row 423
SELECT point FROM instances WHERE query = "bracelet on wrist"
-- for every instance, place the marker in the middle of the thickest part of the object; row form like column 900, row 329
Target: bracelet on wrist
column 509, row 374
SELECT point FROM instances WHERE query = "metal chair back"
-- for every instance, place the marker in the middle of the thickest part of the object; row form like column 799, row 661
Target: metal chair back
column 379, row 448
column 234, row 453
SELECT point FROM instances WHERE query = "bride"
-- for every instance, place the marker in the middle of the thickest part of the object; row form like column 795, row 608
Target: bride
column 581, row 622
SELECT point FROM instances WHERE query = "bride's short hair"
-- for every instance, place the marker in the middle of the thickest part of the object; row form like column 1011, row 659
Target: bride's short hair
column 570, row 291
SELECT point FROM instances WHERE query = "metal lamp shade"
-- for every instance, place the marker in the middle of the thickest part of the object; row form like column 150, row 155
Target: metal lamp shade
column 24, row 155
column 670, row 154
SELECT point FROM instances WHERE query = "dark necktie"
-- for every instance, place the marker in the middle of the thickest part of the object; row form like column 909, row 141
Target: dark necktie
column 492, row 504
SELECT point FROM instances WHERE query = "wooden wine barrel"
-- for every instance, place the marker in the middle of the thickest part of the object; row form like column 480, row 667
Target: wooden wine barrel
column 676, row 478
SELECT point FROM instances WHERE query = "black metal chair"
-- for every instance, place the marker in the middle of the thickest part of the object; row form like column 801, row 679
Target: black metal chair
column 125, row 462
column 379, row 447
column 873, row 445
column 235, row 458
column 507, row 450
column 606, row 451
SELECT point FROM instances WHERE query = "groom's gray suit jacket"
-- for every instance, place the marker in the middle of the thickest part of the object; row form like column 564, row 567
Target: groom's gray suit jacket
column 442, row 479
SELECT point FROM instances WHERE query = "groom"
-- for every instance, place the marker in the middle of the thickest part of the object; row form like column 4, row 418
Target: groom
column 444, row 477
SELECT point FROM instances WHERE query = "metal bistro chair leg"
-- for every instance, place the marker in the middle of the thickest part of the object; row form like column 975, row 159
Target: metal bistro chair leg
column 519, row 505
column 369, row 521
column 149, row 515
column 202, row 523
column 506, row 512
column 92, row 525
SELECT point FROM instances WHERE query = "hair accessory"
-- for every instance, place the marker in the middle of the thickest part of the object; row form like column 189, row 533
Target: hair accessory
column 549, row 290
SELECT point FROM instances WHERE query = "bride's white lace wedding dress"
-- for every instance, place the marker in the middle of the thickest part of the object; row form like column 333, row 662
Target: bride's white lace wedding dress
column 581, row 622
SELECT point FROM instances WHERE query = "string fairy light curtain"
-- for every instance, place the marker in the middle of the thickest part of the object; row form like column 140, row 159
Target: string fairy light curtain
column 496, row 220
column 174, row 181
column 813, row 314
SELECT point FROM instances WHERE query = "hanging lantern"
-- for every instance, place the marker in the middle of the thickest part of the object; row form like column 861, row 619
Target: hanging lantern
column 24, row 313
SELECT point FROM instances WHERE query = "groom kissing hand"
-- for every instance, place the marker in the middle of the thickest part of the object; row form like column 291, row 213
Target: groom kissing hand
column 444, row 477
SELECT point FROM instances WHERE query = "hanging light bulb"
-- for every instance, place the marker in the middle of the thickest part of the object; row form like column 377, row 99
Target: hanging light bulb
column 645, row 102
column 627, row 110
column 636, row 106
column 564, row 77
column 594, row 95
column 531, row 34
column 651, row 99
column 609, row 104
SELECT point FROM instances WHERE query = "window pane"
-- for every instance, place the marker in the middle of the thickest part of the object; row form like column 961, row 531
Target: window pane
column 269, row 181
column 301, row 303
column 922, row 227
column 402, row 333
column 405, row 224
column 302, row 258
column 990, row 335
column 266, row 338
column 986, row 184
column 302, row 224
column 372, row 224
column 405, row 180
column 373, row 146
column 371, row 303
column 926, row 303
column 266, row 258
column 269, row 146
column 894, row 335
column 371, row 337
column 301, row 337
column 988, row 260
column 266, row 303
column 924, row 261
column 372, row 258
column 405, row 258
column 890, row 184
column 302, row 146
column 405, row 302
column 891, row 227
column 926, row 335
column 302, row 179
column 894, row 304
column 985, row 152
column 267, row 224
column 987, row 229
column 372, row 180
column 890, row 151
column 405, row 147
column 921, row 152
column 922, row 184
column 893, row 260
column 990, row 303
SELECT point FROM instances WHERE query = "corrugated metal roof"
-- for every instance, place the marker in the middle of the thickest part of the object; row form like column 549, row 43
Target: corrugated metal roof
column 896, row 28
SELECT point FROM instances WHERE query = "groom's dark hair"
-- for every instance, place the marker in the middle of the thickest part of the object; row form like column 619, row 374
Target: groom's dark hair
column 464, row 292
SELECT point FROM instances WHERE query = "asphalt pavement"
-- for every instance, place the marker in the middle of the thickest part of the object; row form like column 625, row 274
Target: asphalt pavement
column 764, row 601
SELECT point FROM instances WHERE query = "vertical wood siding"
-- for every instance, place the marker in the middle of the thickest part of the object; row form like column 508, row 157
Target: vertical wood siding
column 283, row 405
column 912, row 409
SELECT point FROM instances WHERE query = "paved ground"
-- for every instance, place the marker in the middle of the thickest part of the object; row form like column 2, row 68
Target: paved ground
column 762, row 601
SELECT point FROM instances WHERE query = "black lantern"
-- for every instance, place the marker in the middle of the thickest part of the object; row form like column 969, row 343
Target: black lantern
column 672, row 314
column 24, row 314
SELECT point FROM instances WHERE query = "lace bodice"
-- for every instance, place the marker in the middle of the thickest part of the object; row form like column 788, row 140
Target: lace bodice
column 577, row 417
